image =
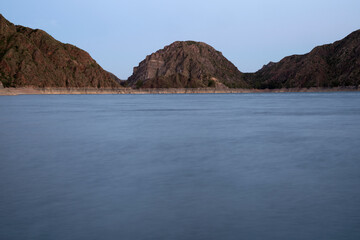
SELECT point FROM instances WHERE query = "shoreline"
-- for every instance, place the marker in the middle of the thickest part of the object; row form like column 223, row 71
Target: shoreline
column 65, row 91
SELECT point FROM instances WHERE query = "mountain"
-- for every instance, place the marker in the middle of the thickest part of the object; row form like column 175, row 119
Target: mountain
column 186, row 64
column 31, row 57
column 196, row 64
column 330, row 65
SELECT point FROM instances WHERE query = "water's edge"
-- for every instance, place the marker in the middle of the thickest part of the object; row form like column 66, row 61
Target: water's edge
column 38, row 91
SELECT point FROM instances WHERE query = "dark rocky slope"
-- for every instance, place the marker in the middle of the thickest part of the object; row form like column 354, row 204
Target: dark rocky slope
column 31, row 57
column 330, row 65
column 186, row 65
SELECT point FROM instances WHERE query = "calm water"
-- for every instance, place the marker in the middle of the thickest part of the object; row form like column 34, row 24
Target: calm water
column 241, row 166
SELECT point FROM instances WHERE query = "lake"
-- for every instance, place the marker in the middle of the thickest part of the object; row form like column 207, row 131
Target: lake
column 202, row 166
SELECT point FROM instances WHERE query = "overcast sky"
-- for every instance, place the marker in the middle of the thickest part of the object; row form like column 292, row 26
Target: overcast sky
column 119, row 34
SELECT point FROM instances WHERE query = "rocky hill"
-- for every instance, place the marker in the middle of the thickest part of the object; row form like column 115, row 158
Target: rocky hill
column 330, row 65
column 31, row 57
column 195, row 64
column 186, row 65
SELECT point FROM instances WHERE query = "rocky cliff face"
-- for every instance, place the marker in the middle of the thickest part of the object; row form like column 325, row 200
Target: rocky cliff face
column 330, row 65
column 186, row 65
column 31, row 57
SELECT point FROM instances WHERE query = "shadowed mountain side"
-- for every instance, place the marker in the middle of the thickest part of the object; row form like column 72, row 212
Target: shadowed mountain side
column 330, row 65
column 186, row 65
column 31, row 57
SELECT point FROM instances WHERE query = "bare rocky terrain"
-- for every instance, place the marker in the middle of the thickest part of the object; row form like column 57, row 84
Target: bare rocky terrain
column 330, row 65
column 32, row 58
column 196, row 64
column 187, row 64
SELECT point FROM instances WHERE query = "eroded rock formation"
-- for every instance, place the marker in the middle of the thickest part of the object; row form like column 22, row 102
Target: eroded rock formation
column 186, row 64
column 31, row 57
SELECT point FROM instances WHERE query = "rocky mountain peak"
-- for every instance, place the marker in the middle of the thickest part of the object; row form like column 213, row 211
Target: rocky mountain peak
column 6, row 27
column 31, row 57
column 186, row 64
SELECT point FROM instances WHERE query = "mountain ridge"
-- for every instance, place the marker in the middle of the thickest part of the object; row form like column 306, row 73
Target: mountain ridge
column 32, row 57
column 329, row 65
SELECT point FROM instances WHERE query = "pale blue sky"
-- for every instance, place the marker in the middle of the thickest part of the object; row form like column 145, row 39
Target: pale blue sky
column 119, row 34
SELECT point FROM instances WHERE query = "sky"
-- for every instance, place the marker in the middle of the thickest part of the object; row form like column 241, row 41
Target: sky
column 119, row 34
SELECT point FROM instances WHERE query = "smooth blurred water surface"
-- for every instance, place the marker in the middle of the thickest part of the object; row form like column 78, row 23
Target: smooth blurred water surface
column 224, row 166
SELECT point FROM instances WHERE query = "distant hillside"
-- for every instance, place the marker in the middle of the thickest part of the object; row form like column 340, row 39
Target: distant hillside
column 330, row 65
column 196, row 64
column 186, row 65
column 31, row 57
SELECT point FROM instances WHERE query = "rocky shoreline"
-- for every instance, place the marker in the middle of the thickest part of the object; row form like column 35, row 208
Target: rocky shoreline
column 64, row 91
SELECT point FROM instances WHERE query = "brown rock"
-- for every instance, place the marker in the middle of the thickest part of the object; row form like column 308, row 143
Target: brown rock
column 330, row 65
column 186, row 64
column 31, row 57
